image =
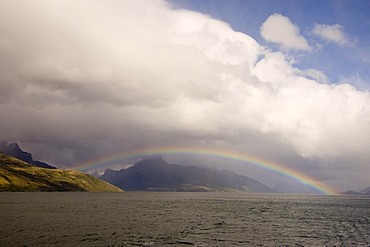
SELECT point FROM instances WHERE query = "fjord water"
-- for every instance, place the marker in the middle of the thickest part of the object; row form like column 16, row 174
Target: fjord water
column 180, row 219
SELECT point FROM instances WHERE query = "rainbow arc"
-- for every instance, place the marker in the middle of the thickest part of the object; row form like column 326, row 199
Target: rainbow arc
column 220, row 153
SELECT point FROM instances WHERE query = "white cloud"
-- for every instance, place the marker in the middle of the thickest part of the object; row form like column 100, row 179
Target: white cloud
column 279, row 29
column 332, row 33
column 317, row 75
column 85, row 78
column 360, row 82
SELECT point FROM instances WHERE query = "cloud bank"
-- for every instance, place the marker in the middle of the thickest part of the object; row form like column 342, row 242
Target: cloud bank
column 83, row 79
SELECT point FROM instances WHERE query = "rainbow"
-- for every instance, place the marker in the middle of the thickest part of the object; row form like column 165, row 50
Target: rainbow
column 218, row 153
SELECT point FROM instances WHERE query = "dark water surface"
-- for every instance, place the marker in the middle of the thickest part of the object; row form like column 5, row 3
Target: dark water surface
column 182, row 219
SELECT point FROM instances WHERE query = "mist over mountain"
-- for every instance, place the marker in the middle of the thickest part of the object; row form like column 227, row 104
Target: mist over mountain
column 154, row 173
column 366, row 191
column 14, row 150
column 362, row 192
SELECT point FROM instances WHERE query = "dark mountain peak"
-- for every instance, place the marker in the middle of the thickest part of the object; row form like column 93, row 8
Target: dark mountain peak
column 152, row 159
column 154, row 173
column 14, row 150
column 14, row 145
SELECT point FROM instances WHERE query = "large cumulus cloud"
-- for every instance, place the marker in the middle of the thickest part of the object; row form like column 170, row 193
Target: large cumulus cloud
column 80, row 79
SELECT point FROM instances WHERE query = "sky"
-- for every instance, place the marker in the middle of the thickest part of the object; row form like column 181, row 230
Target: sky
column 337, row 31
column 287, row 81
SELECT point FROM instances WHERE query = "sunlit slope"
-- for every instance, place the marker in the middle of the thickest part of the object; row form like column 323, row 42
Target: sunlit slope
column 16, row 175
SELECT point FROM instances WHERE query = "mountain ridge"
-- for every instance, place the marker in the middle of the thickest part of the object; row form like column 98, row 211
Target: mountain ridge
column 14, row 150
column 17, row 175
column 154, row 173
column 362, row 192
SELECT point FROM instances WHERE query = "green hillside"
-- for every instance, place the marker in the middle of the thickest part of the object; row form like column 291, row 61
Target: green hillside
column 16, row 175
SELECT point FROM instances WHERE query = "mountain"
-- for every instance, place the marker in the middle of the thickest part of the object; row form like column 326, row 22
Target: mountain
column 366, row 191
column 154, row 173
column 362, row 192
column 14, row 150
column 17, row 175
